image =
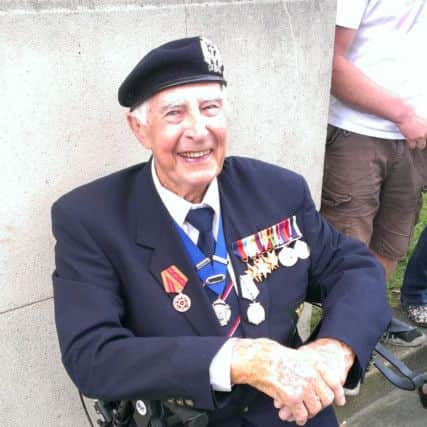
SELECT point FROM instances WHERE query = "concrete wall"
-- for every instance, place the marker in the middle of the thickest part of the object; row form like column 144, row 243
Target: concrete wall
column 61, row 63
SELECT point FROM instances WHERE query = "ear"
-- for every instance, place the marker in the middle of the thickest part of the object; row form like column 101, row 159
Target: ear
column 139, row 129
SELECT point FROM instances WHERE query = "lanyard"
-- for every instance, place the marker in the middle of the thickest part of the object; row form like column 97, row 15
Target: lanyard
column 211, row 272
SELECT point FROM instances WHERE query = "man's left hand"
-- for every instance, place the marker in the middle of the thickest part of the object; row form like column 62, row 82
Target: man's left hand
column 332, row 359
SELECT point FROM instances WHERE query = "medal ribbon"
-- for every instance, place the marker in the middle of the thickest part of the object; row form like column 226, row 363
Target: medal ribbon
column 280, row 234
column 174, row 281
column 212, row 268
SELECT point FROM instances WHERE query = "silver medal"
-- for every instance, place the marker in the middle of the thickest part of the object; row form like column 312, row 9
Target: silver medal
column 301, row 249
column 181, row 302
column 222, row 311
column 288, row 257
column 256, row 313
column 248, row 287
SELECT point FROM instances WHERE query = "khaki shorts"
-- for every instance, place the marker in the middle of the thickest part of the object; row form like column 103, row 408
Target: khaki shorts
column 372, row 189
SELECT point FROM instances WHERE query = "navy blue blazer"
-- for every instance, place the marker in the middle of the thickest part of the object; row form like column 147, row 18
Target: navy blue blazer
column 120, row 336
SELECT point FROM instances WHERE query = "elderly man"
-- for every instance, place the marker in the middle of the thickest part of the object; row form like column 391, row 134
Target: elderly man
column 182, row 278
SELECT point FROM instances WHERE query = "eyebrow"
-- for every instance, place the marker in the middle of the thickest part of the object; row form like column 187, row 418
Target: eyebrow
column 178, row 103
column 171, row 105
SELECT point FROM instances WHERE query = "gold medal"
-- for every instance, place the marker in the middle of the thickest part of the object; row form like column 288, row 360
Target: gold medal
column 271, row 259
column 252, row 271
column 263, row 267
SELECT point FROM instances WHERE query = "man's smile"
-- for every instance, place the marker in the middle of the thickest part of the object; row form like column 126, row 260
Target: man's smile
column 194, row 154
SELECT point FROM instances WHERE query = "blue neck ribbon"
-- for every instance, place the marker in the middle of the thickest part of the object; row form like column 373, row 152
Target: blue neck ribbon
column 212, row 268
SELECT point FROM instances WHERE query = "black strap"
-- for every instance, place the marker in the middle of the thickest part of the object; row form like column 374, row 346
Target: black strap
column 402, row 377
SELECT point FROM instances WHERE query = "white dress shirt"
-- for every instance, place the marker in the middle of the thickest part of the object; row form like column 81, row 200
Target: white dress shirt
column 178, row 208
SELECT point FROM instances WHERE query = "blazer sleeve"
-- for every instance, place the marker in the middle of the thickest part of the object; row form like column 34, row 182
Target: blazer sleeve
column 103, row 358
column 351, row 285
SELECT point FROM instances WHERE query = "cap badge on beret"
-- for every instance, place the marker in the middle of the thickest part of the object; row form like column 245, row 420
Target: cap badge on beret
column 211, row 55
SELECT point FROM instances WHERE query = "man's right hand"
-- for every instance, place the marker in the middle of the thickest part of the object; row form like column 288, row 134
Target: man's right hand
column 414, row 129
column 286, row 375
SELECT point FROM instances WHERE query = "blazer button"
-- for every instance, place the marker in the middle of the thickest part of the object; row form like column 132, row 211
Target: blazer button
column 245, row 409
column 189, row 402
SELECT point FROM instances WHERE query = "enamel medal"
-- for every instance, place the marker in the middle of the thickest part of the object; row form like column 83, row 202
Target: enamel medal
column 181, row 302
column 174, row 281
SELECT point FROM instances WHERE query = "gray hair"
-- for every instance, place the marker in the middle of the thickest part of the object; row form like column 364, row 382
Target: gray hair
column 141, row 112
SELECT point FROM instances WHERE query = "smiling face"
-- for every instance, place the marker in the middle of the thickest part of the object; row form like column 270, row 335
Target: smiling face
column 186, row 132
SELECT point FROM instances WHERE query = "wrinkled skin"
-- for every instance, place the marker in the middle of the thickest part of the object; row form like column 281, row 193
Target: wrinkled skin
column 301, row 382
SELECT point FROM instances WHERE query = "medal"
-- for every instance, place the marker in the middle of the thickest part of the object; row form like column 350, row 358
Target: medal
column 248, row 287
column 175, row 281
column 255, row 313
column 253, row 272
column 181, row 302
column 271, row 259
column 288, row 257
column 222, row 311
column 262, row 267
column 301, row 249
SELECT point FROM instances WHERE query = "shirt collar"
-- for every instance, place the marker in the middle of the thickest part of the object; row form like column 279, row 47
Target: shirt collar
column 178, row 207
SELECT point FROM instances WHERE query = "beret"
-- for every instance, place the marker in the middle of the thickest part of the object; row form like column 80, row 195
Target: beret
column 189, row 60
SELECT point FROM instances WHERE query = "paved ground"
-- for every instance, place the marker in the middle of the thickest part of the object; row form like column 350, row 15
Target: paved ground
column 396, row 409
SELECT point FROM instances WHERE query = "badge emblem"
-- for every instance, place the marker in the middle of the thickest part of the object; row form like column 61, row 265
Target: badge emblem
column 211, row 55
column 181, row 302
column 222, row 311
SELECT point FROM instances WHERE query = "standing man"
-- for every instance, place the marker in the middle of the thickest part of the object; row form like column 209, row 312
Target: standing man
column 377, row 124
column 414, row 288
column 182, row 278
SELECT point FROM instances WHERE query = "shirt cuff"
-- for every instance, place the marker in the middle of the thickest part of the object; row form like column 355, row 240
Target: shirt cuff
column 220, row 367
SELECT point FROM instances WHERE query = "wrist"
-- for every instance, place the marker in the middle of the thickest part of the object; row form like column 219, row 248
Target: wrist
column 333, row 345
column 247, row 357
column 402, row 112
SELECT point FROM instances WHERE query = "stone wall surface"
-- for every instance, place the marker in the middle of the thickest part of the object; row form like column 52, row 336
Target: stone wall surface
column 61, row 63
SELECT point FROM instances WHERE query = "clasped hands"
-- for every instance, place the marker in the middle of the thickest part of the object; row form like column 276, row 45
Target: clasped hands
column 301, row 382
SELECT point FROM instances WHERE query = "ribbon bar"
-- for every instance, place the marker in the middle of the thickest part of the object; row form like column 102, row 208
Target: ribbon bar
column 281, row 234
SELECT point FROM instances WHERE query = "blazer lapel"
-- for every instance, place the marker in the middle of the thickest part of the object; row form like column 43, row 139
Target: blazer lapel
column 235, row 228
column 156, row 230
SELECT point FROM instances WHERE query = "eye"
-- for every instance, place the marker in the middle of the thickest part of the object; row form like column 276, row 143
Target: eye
column 174, row 115
column 212, row 108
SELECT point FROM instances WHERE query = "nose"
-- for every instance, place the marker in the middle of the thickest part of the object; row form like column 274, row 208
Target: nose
column 196, row 126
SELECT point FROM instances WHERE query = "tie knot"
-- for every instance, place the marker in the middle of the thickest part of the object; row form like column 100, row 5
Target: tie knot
column 201, row 219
